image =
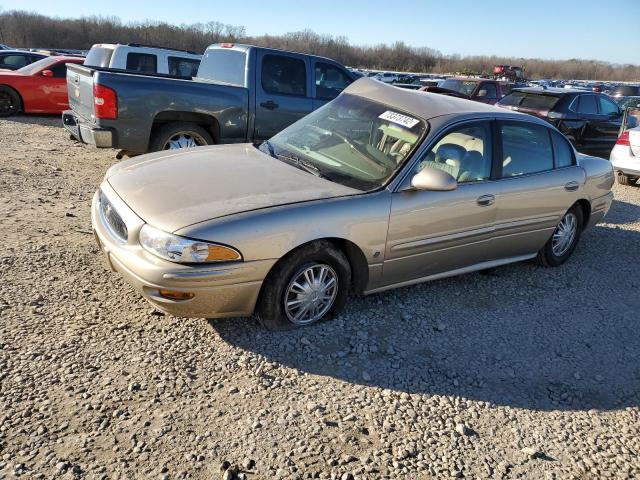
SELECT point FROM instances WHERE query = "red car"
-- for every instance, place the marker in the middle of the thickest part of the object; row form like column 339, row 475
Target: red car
column 40, row 87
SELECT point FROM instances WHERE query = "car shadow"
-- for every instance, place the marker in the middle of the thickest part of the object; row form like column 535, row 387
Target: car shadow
column 623, row 213
column 521, row 335
column 28, row 119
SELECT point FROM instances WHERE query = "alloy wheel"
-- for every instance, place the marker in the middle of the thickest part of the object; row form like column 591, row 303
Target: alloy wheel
column 184, row 140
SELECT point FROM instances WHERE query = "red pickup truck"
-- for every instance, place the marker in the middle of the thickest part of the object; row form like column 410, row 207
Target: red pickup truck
column 477, row 89
column 40, row 87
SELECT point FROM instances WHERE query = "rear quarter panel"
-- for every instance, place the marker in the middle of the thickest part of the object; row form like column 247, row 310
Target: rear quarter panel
column 600, row 179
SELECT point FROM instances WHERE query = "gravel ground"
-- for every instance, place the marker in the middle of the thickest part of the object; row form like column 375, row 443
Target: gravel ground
column 522, row 372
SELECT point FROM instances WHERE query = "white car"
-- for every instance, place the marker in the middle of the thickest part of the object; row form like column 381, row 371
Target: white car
column 140, row 58
column 386, row 77
column 625, row 157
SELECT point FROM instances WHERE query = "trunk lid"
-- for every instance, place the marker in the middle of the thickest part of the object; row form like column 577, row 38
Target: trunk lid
column 80, row 90
column 174, row 189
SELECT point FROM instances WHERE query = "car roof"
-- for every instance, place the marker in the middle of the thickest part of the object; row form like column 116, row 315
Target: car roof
column 23, row 52
column 422, row 104
column 549, row 91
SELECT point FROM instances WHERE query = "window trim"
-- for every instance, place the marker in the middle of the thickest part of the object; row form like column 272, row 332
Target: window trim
column 293, row 57
column 500, row 121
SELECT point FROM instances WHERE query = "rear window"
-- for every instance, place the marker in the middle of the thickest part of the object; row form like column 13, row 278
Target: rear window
column 512, row 99
column 539, row 102
column 224, row 66
column 99, row 57
column 462, row 86
column 185, row 67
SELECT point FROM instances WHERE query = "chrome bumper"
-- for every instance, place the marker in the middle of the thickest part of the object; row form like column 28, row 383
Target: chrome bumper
column 97, row 136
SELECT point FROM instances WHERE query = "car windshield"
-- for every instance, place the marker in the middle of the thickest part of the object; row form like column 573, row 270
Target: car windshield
column 465, row 87
column 352, row 141
column 37, row 66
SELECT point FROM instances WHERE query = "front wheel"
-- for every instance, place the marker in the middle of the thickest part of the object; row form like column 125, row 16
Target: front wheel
column 177, row 135
column 305, row 287
column 564, row 239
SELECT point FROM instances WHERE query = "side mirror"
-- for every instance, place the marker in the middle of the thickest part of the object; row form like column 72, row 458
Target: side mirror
column 433, row 179
column 47, row 73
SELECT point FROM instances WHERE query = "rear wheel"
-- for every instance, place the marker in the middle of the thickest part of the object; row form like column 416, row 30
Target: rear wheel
column 625, row 179
column 305, row 287
column 177, row 135
column 564, row 239
column 9, row 102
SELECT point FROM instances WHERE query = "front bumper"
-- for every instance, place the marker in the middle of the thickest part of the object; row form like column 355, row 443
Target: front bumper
column 623, row 160
column 224, row 290
column 96, row 136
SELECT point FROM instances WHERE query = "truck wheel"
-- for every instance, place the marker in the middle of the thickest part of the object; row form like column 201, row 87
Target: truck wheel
column 9, row 102
column 173, row 136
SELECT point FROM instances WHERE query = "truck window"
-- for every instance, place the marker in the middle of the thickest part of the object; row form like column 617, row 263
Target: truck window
column 284, row 75
column 142, row 62
column 330, row 81
column 223, row 65
column 185, row 67
column 99, row 57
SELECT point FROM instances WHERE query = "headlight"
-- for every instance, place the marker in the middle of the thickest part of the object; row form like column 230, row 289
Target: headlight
column 184, row 250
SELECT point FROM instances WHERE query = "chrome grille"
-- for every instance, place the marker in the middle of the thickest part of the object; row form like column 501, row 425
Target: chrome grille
column 112, row 219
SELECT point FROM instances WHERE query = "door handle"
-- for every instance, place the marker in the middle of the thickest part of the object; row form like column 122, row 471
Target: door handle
column 486, row 200
column 270, row 105
column 571, row 186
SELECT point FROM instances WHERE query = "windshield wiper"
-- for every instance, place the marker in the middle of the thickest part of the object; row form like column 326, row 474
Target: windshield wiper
column 301, row 164
column 272, row 152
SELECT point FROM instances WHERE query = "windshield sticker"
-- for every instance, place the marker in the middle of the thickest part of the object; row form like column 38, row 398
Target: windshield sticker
column 395, row 117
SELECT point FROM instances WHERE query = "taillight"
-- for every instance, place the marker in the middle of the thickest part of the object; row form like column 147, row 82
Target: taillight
column 105, row 102
column 623, row 139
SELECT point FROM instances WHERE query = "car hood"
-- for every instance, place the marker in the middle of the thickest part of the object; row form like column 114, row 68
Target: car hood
column 172, row 190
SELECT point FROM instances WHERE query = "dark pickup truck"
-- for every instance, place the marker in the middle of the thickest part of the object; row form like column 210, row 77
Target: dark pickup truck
column 241, row 93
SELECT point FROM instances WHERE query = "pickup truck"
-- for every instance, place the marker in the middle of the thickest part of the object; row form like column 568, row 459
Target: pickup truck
column 242, row 93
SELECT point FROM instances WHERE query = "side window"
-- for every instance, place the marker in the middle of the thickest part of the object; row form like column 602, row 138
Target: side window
column 526, row 148
column 330, row 81
column 562, row 151
column 464, row 153
column 185, row 67
column 284, row 75
column 587, row 104
column 607, row 107
column 488, row 90
column 14, row 61
column 59, row 70
column 142, row 62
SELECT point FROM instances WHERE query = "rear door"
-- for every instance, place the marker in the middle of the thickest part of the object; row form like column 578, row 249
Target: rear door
column 283, row 91
column 539, row 181
column 588, row 110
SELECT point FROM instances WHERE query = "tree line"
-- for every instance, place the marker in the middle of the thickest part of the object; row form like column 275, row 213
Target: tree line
column 28, row 29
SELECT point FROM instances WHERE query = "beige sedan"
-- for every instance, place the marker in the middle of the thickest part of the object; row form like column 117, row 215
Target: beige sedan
column 380, row 188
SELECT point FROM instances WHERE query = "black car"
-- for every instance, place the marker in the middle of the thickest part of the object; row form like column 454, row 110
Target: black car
column 16, row 59
column 591, row 121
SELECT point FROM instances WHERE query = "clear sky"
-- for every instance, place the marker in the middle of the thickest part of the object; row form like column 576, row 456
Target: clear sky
column 560, row 29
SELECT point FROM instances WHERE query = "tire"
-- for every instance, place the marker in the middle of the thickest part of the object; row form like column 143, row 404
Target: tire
column 623, row 179
column 10, row 103
column 180, row 132
column 555, row 253
column 279, row 288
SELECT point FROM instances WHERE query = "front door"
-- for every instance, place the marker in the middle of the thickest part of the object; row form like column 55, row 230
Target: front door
column 283, row 92
column 432, row 232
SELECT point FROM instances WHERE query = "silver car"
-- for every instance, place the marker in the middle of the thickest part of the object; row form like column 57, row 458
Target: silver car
column 380, row 188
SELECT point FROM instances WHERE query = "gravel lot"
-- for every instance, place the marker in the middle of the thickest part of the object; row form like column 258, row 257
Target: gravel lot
column 522, row 372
